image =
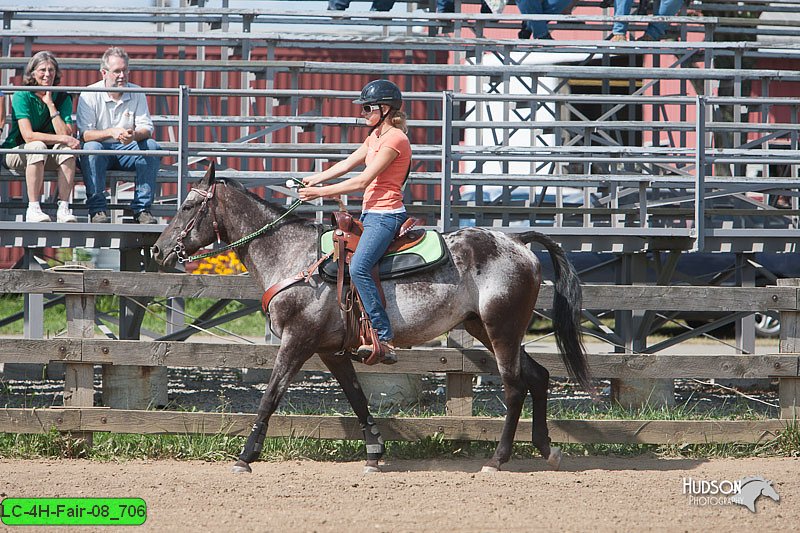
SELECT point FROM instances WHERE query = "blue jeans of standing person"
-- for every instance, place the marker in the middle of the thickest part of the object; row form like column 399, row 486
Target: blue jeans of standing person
column 655, row 30
column 538, row 28
column 379, row 230
column 94, row 168
column 377, row 5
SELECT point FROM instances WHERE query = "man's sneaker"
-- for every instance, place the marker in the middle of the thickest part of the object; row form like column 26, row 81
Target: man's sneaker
column 101, row 217
column 35, row 214
column 64, row 214
column 144, row 217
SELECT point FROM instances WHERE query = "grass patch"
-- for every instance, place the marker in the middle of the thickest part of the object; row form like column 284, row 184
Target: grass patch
column 155, row 319
column 221, row 447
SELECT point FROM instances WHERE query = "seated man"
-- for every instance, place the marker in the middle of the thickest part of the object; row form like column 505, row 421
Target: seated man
column 117, row 121
column 655, row 30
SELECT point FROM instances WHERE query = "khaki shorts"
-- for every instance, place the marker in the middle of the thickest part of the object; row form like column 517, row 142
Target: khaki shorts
column 19, row 161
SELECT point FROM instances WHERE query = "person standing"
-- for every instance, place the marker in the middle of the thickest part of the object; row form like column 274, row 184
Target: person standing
column 387, row 155
column 42, row 120
column 117, row 121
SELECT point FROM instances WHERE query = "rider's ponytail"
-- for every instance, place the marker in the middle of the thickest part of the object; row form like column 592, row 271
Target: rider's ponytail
column 398, row 120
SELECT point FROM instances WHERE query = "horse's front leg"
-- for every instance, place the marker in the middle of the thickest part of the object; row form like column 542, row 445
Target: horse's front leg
column 290, row 358
column 342, row 369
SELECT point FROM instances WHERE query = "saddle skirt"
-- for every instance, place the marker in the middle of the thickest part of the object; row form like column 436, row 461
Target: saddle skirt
column 418, row 252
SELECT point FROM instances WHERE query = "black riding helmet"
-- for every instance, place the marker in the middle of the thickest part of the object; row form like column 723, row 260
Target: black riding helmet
column 381, row 92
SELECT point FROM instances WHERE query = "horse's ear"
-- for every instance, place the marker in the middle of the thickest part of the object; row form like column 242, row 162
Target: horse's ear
column 209, row 178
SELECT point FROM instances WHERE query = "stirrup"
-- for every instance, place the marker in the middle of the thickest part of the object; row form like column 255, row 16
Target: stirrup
column 369, row 354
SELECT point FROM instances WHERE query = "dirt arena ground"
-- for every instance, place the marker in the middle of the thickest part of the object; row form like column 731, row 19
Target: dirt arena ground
column 588, row 494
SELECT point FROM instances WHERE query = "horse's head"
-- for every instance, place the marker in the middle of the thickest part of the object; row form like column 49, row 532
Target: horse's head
column 193, row 227
column 769, row 491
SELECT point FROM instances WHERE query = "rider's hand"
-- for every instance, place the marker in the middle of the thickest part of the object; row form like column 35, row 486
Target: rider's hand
column 310, row 181
column 309, row 193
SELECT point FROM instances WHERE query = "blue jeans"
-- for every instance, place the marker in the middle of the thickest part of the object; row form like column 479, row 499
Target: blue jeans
column 379, row 230
column 538, row 28
column 377, row 5
column 94, row 167
column 656, row 30
column 448, row 6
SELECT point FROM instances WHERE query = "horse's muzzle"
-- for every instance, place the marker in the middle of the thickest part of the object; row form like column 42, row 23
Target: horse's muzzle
column 165, row 259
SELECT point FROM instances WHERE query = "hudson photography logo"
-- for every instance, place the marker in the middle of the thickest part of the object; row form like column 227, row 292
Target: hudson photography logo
column 745, row 491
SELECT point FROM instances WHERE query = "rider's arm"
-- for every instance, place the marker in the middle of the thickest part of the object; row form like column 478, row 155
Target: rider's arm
column 382, row 159
column 339, row 169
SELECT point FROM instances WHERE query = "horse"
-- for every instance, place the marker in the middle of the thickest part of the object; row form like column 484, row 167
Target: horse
column 489, row 284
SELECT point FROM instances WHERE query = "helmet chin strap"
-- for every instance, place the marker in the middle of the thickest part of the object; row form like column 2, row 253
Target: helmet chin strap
column 383, row 117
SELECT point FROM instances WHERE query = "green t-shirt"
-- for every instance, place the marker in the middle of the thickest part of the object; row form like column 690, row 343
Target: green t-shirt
column 25, row 104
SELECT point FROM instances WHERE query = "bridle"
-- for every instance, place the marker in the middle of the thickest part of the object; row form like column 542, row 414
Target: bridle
column 208, row 196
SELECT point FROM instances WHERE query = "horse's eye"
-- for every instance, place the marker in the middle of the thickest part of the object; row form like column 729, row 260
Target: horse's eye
column 187, row 207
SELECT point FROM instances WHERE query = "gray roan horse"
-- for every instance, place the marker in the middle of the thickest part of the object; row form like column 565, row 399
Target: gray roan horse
column 490, row 284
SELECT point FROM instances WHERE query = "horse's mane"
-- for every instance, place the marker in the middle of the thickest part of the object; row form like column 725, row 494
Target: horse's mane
column 290, row 219
column 230, row 182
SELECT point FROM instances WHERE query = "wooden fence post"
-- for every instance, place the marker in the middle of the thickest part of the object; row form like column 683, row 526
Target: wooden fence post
column 79, row 377
column 133, row 387
column 635, row 393
column 789, row 388
column 33, row 325
column 459, row 385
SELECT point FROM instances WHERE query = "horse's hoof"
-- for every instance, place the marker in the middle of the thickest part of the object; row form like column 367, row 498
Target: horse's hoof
column 240, row 467
column 371, row 467
column 490, row 469
column 555, row 458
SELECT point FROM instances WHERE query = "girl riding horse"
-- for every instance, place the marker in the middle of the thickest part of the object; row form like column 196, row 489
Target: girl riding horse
column 387, row 155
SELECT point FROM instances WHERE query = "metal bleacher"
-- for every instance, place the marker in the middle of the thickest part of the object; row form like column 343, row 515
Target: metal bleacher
column 633, row 148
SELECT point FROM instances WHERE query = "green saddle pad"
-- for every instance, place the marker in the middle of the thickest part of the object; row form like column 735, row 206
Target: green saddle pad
column 427, row 253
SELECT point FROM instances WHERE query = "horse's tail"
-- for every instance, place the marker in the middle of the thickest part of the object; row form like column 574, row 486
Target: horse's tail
column 567, row 302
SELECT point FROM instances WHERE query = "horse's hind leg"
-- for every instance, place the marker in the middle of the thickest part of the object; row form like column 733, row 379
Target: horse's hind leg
column 287, row 363
column 537, row 378
column 514, row 388
column 342, row 369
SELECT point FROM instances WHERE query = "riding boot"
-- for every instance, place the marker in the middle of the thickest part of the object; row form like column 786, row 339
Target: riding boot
column 380, row 352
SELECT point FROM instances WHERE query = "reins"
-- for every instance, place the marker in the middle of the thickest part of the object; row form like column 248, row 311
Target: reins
column 208, row 195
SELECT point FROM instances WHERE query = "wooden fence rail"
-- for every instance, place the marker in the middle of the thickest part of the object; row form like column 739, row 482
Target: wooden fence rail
column 80, row 352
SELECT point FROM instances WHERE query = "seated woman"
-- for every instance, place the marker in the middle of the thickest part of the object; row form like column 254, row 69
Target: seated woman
column 42, row 120
column 387, row 156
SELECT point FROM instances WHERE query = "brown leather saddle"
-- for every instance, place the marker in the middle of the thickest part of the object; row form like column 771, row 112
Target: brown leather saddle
column 358, row 328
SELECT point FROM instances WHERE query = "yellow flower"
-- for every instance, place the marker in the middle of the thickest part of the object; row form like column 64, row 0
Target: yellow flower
column 223, row 264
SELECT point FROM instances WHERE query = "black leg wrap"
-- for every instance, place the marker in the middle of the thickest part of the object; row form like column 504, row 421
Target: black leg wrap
column 373, row 439
column 255, row 442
